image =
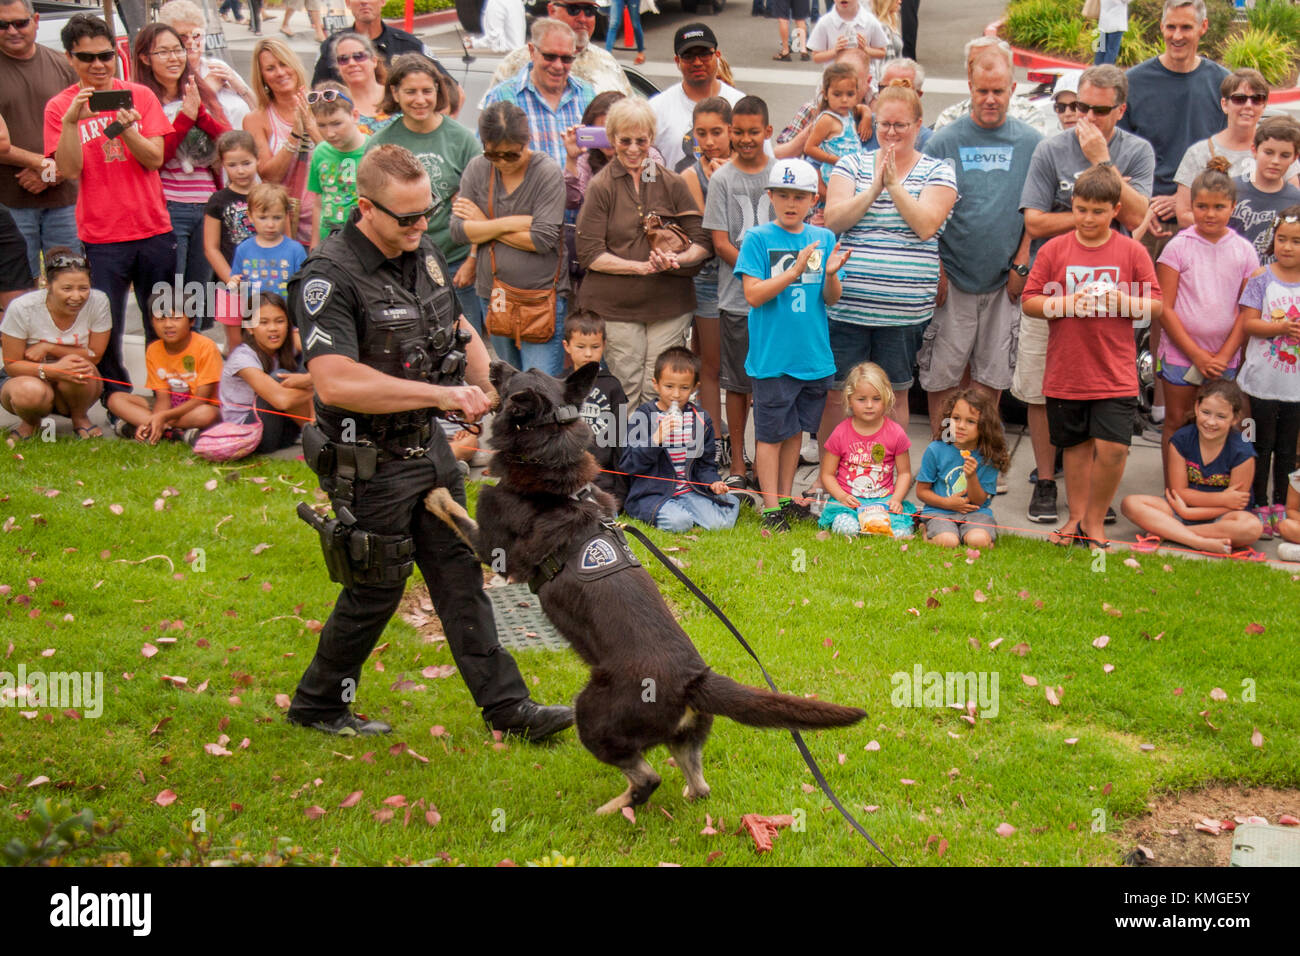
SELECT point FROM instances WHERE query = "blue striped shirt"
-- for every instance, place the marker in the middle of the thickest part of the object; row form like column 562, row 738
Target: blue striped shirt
column 545, row 124
column 892, row 273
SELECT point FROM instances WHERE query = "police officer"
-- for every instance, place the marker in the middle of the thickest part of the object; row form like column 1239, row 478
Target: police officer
column 380, row 331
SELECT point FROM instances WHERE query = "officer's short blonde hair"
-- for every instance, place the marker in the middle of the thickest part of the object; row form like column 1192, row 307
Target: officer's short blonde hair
column 384, row 164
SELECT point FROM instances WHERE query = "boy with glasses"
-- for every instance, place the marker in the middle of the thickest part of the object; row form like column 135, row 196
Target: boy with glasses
column 121, row 216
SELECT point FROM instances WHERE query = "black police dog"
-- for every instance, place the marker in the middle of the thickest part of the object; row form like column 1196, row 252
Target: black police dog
column 648, row 683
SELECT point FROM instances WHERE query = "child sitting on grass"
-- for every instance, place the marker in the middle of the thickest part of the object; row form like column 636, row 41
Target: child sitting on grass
column 673, row 481
column 959, row 473
column 866, row 467
column 1211, row 469
column 605, row 406
column 260, row 379
column 183, row 370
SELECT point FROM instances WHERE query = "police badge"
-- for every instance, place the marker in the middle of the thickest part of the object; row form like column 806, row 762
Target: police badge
column 435, row 270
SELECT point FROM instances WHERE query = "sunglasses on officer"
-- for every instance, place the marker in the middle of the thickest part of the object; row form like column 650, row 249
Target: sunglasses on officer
column 405, row 221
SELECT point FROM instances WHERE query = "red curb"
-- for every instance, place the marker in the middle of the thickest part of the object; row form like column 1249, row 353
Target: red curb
column 434, row 19
column 1032, row 60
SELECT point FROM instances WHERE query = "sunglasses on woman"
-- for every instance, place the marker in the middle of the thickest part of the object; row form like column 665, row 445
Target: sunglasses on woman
column 1241, row 99
column 503, row 155
column 346, row 58
column 326, row 96
column 103, row 56
column 1073, row 107
column 405, row 221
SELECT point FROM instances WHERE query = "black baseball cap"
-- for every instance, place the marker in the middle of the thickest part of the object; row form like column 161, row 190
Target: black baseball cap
column 693, row 35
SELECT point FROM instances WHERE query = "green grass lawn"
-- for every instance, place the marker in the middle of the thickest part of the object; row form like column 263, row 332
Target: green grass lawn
column 830, row 617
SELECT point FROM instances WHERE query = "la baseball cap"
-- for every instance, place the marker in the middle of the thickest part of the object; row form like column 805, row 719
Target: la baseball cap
column 793, row 174
column 693, row 35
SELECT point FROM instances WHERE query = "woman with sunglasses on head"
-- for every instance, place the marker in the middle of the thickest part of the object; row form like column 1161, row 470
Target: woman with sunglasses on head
column 235, row 96
column 1244, row 96
column 282, row 126
column 189, row 173
column 639, row 271
column 511, row 206
column 444, row 148
column 52, row 342
column 364, row 72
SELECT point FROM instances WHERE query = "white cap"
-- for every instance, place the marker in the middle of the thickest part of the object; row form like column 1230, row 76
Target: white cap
column 793, row 174
column 1067, row 82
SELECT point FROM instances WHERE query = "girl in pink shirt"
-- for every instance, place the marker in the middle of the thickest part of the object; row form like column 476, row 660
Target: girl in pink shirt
column 1201, row 273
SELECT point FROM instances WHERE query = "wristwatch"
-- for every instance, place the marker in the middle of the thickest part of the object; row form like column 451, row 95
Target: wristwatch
column 1107, row 163
column 1021, row 271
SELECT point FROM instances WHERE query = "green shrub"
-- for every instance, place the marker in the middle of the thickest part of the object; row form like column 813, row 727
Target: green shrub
column 1071, row 38
column 1138, row 44
column 1029, row 23
column 1280, row 16
column 1265, row 51
column 396, row 9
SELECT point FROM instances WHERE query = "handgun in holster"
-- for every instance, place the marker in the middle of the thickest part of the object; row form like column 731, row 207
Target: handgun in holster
column 335, row 538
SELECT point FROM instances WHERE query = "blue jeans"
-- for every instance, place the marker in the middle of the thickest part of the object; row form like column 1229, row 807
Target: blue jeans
column 46, row 229
column 191, row 263
column 616, row 23
column 686, row 511
column 470, row 304
column 116, row 266
column 544, row 356
column 1109, row 52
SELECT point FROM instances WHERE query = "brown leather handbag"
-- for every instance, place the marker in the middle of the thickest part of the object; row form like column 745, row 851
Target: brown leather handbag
column 524, row 315
column 665, row 235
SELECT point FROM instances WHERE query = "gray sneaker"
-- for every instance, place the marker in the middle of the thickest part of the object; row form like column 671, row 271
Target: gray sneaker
column 1042, row 506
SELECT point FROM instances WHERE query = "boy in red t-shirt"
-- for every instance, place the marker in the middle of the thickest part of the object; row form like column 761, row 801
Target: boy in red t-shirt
column 1091, row 284
column 122, row 219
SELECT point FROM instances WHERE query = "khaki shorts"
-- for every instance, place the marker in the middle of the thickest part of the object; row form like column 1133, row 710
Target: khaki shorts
column 1031, row 361
column 632, row 347
column 968, row 329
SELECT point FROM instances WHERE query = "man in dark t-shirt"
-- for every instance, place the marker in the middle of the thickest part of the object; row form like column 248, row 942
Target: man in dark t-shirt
column 388, row 40
column 43, row 204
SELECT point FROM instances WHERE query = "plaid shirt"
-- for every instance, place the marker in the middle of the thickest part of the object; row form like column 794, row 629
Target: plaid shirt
column 546, row 125
column 806, row 114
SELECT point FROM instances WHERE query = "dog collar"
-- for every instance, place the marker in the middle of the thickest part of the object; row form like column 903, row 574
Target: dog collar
column 560, row 415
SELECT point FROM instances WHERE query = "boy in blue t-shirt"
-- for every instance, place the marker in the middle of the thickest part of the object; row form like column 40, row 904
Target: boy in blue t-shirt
column 788, row 269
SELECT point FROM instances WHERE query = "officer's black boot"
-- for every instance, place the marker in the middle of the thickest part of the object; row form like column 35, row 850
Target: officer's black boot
column 531, row 720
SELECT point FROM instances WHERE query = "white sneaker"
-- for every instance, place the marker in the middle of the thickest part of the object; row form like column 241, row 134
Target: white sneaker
column 1288, row 551
column 1158, row 414
column 808, row 453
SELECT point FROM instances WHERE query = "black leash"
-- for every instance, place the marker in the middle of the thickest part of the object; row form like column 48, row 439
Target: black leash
column 798, row 739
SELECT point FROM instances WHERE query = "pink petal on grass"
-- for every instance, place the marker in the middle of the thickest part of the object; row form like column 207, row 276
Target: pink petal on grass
column 432, row 817
column 1107, row 668
column 979, row 596
column 1101, row 641
column 1257, row 739
column 37, row 781
column 438, row 730
column 148, row 650
column 314, row 812
column 994, row 643
column 1147, row 747
column 872, row 745
column 907, row 783
column 1005, row 830
column 1029, row 680
column 440, row 670
column 282, row 701
column 1051, row 697
column 396, row 800
column 165, row 798
column 351, row 800
column 1218, row 693
column 1071, row 740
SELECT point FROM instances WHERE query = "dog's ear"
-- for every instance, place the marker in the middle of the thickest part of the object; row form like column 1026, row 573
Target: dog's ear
column 500, row 373
column 577, row 386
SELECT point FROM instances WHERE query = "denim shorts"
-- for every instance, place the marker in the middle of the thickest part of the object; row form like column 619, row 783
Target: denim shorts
column 706, row 296
column 892, row 347
column 785, row 406
column 1177, row 374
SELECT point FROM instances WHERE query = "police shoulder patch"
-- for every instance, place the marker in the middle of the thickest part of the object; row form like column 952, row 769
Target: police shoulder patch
column 604, row 553
column 315, row 293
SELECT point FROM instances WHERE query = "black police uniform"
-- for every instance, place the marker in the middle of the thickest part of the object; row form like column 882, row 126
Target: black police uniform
column 348, row 299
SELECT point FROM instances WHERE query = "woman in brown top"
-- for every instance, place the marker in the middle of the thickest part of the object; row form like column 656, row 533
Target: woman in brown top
column 646, row 297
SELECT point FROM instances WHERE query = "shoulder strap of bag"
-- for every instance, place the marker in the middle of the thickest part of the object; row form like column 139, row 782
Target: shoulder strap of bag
column 492, row 246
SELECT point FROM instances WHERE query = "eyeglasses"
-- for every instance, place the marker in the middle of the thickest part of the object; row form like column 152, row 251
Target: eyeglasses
column 1074, row 106
column 103, row 56
column 65, row 261
column 579, row 9
column 171, row 52
column 696, row 56
column 893, row 127
column 16, row 24
column 410, row 219
column 626, row 141
column 503, row 155
column 346, row 58
column 565, row 58
column 327, row 96
column 1241, row 99
column 1083, row 107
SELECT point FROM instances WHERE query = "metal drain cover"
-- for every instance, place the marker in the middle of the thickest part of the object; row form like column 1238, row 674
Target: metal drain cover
column 521, row 623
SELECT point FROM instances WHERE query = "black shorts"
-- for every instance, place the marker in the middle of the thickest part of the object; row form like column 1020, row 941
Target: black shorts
column 14, row 276
column 791, row 9
column 733, row 333
column 1072, row 422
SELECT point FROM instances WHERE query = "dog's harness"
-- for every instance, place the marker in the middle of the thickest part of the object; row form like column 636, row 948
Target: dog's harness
column 603, row 554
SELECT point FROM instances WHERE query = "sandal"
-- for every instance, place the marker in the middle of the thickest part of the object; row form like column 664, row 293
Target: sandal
column 784, row 56
column 1084, row 541
column 736, row 482
column 1249, row 554
column 1062, row 538
column 13, row 433
column 88, row 431
column 1146, row 543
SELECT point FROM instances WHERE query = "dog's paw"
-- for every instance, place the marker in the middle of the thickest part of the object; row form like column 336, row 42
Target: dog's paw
column 693, row 795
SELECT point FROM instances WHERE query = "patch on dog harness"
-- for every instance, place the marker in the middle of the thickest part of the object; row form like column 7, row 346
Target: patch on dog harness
column 602, row 555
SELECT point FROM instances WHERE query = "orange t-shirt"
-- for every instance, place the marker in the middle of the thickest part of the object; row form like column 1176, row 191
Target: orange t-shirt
column 199, row 363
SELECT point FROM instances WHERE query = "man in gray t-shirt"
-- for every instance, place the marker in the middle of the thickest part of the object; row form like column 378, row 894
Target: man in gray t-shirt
column 1046, row 201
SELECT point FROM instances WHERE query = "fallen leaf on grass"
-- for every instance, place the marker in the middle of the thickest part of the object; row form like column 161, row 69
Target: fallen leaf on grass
column 1218, row 693
column 1257, row 739
column 1254, row 628
column 166, row 798
column 1022, row 649
column 872, row 745
column 979, row 596
column 440, row 670
column 763, row 828
column 262, row 546
column 1147, row 747
column 1029, row 680
column 157, row 728
column 1005, row 830
column 148, row 650
column 396, row 800
column 1051, row 697
column 1101, row 641
column 1071, row 740
column 282, row 701
column 314, row 812
column 994, row 643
